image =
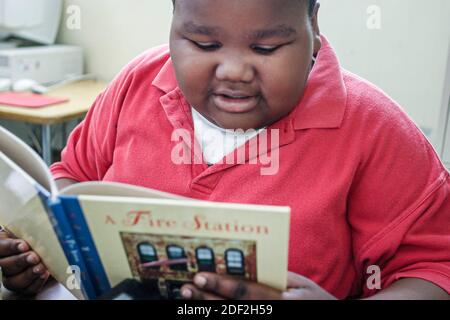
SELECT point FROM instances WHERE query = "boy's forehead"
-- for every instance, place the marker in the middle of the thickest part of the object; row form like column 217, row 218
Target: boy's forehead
column 241, row 4
column 262, row 3
column 284, row 14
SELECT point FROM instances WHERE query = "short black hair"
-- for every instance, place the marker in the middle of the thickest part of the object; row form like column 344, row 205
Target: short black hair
column 311, row 5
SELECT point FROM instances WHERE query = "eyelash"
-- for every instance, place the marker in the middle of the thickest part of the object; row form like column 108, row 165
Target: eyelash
column 208, row 47
column 265, row 51
column 257, row 49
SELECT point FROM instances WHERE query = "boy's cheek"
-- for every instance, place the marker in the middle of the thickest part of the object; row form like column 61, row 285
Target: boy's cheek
column 195, row 82
column 282, row 92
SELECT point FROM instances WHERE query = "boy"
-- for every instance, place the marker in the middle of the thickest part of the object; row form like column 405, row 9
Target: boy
column 366, row 189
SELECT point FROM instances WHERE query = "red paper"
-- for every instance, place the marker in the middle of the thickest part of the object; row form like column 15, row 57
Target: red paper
column 28, row 100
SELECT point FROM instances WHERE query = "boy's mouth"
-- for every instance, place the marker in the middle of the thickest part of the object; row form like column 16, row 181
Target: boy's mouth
column 235, row 102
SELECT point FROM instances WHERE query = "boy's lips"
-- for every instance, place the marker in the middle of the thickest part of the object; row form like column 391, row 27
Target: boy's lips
column 235, row 102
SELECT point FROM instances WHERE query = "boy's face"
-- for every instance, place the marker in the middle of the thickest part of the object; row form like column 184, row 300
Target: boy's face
column 243, row 64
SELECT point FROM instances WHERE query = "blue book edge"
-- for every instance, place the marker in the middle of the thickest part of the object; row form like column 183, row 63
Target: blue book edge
column 75, row 216
column 67, row 240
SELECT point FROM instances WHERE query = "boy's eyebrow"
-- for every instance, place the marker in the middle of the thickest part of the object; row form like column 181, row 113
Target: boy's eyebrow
column 194, row 28
column 280, row 31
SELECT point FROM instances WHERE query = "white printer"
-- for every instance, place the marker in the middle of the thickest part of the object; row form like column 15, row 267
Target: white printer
column 44, row 64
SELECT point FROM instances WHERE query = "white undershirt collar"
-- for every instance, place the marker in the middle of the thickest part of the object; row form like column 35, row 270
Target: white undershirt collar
column 217, row 142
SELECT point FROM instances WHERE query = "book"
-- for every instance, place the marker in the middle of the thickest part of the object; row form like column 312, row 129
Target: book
column 94, row 235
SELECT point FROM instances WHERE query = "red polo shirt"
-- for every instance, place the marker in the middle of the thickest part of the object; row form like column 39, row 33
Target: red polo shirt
column 364, row 185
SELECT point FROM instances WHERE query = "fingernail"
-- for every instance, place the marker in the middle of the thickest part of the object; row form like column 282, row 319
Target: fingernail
column 38, row 270
column 45, row 275
column 200, row 281
column 22, row 247
column 186, row 293
column 32, row 259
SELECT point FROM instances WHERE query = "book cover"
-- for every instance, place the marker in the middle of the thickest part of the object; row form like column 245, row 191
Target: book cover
column 165, row 242
column 26, row 209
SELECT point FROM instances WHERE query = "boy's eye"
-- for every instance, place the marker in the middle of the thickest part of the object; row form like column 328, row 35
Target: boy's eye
column 265, row 49
column 207, row 46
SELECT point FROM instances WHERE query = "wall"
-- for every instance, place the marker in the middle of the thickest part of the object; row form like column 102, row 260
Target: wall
column 407, row 57
column 114, row 31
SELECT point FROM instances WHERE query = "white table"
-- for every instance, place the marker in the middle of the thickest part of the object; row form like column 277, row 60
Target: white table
column 80, row 94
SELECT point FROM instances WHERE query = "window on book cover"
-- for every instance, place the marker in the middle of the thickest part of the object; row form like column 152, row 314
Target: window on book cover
column 234, row 260
column 174, row 289
column 205, row 259
column 147, row 253
column 175, row 253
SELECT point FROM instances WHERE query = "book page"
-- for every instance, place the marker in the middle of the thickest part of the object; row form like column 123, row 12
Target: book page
column 165, row 242
column 114, row 189
column 24, row 213
column 26, row 158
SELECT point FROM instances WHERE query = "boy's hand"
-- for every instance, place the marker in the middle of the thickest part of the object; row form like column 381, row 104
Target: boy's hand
column 210, row 286
column 22, row 269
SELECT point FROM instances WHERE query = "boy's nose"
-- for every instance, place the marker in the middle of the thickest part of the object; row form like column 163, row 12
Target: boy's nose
column 235, row 69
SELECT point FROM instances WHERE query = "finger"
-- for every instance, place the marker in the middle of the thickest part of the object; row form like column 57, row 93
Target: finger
column 37, row 285
column 18, row 263
column 234, row 288
column 190, row 292
column 9, row 247
column 24, row 279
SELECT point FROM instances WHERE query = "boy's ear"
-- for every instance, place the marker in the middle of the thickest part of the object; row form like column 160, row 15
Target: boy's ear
column 316, row 29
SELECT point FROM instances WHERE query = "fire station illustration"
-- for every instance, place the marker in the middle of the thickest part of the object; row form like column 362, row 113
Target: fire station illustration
column 165, row 263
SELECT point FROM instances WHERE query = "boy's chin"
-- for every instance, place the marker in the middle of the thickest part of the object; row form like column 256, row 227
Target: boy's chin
column 230, row 121
column 236, row 125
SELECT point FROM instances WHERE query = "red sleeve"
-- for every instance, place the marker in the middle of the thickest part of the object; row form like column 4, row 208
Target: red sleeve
column 399, row 206
column 90, row 147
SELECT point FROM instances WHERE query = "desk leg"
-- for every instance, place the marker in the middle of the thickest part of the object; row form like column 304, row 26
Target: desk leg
column 46, row 144
column 64, row 134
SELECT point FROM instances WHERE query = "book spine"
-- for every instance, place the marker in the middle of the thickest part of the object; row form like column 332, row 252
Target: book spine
column 73, row 252
column 67, row 241
column 75, row 216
